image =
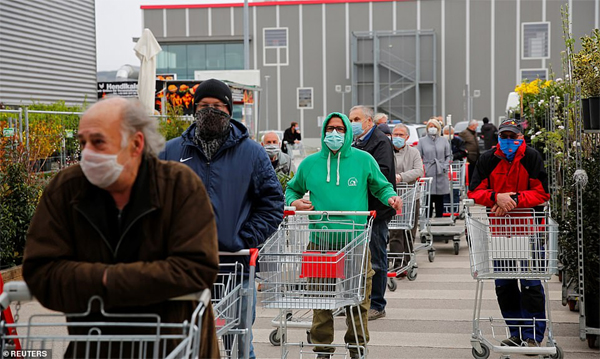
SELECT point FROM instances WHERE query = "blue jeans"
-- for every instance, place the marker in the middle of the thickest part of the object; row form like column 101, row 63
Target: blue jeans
column 527, row 303
column 379, row 262
column 243, row 320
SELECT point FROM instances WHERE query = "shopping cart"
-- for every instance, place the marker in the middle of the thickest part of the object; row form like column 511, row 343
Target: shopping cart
column 112, row 335
column 227, row 299
column 318, row 261
column 424, row 222
column 458, row 189
column 520, row 245
column 404, row 220
column 445, row 227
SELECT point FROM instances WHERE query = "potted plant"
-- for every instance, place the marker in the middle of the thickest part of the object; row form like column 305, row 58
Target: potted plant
column 586, row 68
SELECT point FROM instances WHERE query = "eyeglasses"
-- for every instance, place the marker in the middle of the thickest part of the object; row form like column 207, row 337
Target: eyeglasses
column 512, row 136
column 218, row 106
column 340, row 129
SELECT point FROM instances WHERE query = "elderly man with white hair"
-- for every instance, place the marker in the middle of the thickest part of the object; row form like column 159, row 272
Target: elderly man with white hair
column 282, row 163
column 126, row 227
column 380, row 118
column 469, row 135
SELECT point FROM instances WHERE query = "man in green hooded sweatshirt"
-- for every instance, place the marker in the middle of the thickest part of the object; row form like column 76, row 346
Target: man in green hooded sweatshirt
column 339, row 178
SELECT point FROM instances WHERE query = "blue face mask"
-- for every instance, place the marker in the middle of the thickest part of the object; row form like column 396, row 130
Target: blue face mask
column 398, row 142
column 334, row 140
column 357, row 129
column 509, row 147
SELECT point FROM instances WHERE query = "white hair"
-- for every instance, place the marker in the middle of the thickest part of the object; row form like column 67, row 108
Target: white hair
column 379, row 116
column 473, row 122
column 403, row 126
column 134, row 119
column 367, row 111
column 262, row 139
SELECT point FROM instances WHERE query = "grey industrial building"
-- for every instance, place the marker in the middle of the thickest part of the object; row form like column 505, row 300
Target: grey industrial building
column 412, row 59
column 47, row 51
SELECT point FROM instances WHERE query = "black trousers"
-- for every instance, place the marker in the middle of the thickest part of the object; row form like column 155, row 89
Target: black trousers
column 438, row 201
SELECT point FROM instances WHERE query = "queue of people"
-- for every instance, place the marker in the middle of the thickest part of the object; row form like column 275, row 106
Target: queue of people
column 138, row 222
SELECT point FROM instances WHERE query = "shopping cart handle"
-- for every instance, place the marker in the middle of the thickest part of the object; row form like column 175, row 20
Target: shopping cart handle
column 16, row 291
column 203, row 297
column 253, row 256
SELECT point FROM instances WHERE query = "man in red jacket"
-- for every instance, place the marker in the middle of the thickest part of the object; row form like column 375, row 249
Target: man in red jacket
column 513, row 176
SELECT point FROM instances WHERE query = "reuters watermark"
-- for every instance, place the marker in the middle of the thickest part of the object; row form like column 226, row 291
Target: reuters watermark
column 32, row 353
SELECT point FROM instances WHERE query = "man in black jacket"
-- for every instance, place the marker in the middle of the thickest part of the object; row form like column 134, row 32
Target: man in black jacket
column 293, row 139
column 369, row 138
column 490, row 134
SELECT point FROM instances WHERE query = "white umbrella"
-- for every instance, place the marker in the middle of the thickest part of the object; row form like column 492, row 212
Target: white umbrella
column 146, row 50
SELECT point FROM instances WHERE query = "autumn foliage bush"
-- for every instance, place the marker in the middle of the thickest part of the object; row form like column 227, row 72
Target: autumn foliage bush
column 22, row 157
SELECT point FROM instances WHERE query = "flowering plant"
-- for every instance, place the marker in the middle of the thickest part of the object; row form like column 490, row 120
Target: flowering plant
column 542, row 105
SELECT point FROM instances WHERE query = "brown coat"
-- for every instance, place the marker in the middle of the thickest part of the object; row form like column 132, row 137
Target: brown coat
column 471, row 144
column 167, row 246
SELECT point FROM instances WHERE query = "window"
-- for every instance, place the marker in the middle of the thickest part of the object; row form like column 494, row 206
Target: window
column 275, row 37
column 275, row 46
column 535, row 40
column 305, row 97
column 533, row 74
column 185, row 59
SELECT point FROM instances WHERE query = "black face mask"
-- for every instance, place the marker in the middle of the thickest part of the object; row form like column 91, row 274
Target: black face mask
column 212, row 124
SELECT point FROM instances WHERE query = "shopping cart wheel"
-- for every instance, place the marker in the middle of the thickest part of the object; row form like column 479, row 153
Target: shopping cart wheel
column 392, row 285
column 274, row 338
column 412, row 274
column 559, row 353
column 431, row 255
column 485, row 352
column 456, row 248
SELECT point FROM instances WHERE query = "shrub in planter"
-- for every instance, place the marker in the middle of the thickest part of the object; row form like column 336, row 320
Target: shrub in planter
column 586, row 69
column 19, row 195
column 591, row 236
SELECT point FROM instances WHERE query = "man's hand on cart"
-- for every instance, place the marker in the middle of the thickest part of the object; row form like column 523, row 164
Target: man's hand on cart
column 303, row 205
column 396, row 203
column 504, row 203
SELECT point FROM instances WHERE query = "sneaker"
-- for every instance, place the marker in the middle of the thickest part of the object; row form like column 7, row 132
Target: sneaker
column 375, row 314
column 532, row 344
column 512, row 342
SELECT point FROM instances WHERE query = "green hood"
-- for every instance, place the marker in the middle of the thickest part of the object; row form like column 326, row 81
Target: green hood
column 345, row 150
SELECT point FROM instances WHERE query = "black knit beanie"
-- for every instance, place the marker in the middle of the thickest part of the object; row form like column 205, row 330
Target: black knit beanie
column 217, row 89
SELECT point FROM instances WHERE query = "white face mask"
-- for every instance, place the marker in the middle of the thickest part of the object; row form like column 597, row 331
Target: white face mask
column 272, row 150
column 432, row 131
column 100, row 169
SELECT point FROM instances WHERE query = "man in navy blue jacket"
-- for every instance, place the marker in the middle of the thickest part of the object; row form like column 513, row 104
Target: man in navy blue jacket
column 244, row 190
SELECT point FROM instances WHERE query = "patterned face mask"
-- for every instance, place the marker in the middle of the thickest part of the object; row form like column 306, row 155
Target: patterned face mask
column 212, row 124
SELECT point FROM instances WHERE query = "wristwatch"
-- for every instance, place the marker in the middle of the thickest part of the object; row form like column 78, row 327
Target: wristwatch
column 515, row 197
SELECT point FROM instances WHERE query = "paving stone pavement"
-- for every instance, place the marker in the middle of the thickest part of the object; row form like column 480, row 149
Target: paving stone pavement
column 431, row 317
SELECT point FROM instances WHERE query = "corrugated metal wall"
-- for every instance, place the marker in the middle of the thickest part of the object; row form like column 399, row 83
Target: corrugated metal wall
column 47, row 51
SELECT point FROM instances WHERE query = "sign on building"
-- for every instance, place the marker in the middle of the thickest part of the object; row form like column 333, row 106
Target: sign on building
column 305, row 97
